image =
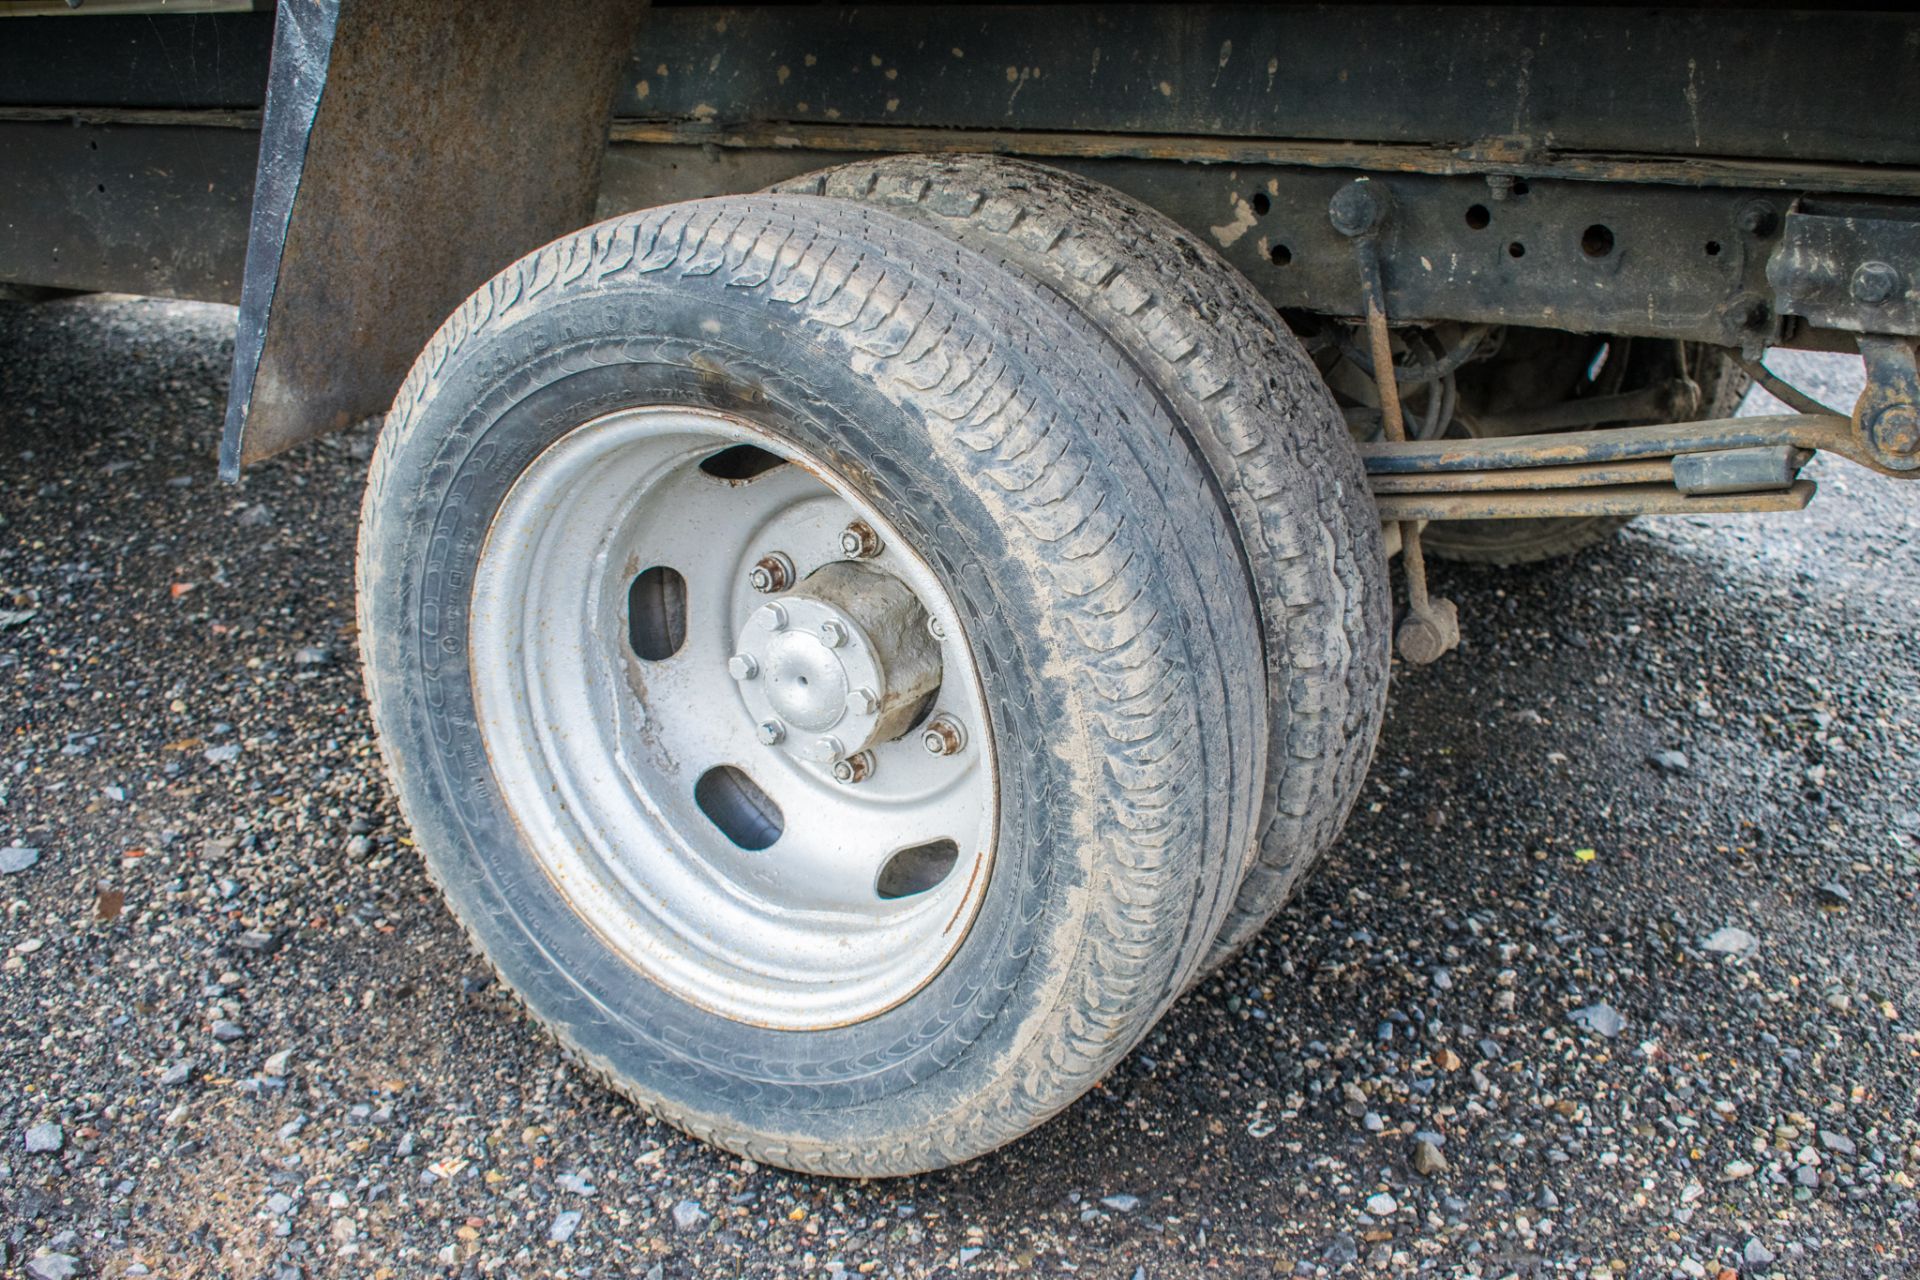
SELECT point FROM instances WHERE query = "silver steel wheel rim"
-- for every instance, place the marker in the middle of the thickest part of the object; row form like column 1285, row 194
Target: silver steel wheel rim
column 607, row 759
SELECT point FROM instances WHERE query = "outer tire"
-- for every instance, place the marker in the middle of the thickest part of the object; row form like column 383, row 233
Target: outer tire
column 1102, row 599
column 1723, row 384
column 1247, row 393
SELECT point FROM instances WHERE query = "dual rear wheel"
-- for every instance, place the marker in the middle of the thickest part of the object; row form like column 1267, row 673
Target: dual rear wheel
column 852, row 659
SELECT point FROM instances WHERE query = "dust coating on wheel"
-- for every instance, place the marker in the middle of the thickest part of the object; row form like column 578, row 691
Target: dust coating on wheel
column 670, row 752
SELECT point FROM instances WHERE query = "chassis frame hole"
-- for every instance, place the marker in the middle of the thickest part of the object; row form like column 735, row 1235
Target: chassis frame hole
column 1516, row 250
column 657, row 613
column 917, row 869
column 1477, row 217
column 1280, row 256
column 735, row 804
column 1597, row 240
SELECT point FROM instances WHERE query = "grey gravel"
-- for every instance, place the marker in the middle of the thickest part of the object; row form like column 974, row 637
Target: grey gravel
column 1601, row 1019
column 689, row 1216
column 564, row 1224
column 53, row 1266
column 15, row 858
column 1731, row 941
column 249, row 902
column 45, row 1137
column 1121, row 1203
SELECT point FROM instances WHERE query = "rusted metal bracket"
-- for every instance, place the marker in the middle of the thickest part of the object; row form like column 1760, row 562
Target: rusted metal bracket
column 408, row 151
column 1887, row 416
column 1359, row 210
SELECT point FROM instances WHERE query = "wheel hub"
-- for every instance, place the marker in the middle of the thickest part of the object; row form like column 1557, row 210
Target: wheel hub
column 841, row 663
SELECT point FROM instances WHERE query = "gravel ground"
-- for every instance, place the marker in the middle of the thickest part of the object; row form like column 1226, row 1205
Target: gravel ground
column 1613, row 974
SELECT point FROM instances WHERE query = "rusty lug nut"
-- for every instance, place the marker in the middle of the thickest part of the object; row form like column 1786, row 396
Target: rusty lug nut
column 1874, row 282
column 943, row 736
column 741, row 666
column 1896, row 430
column 854, row 768
column 771, row 572
column 858, row 541
column 771, row 732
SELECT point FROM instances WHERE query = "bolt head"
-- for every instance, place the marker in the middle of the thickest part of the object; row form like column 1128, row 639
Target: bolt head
column 1358, row 208
column 742, row 666
column 1759, row 219
column 771, row 616
column 1874, row 282
column 943, row 736
column 772, row 572
column 855, row 768
column 825, row 748
column 832, row 634
column 771, row 732
column 862, row 702
column 858, row 541
column 1896, row 430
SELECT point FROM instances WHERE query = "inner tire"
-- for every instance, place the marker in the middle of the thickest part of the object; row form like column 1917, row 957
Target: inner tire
column 1247, row 394
column 1053, row 526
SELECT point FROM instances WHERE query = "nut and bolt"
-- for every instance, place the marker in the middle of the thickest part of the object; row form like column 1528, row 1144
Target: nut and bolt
column 772, row 616
column 742, row 666
column 854, row 768
column 943, row 736
column 858, row 541
column 771, row 732
column 832, row 634
column 1759, row 219
column 862, row 702
column 825, row 748
column 1875, row 282
column 1896, row 430
column 771, row 572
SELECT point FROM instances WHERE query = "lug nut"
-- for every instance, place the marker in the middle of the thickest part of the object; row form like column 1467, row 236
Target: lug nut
column 742, row 666
column 943, row 736
column 826, row 748
column 862, row 702
column 855, row 768
column 832, row 634
column 772, row 572
column 858, row 541
column 772, row 616
column 772, row 733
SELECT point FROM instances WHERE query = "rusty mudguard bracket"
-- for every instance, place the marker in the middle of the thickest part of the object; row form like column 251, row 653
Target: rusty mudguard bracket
column 408, row 151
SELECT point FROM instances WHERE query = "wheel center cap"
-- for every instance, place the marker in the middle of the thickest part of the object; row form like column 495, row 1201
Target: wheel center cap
column 841, row 662
column 807, row 682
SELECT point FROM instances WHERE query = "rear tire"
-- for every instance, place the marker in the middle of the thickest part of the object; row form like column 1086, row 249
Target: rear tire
column 1245, row 391
column 1094, row 633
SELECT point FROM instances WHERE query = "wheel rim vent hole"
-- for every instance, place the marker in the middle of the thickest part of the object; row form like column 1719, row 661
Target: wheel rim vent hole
column 1597, row 240
column 741, row 463
column 735, row 804
column 657, row 613
column 917, row 869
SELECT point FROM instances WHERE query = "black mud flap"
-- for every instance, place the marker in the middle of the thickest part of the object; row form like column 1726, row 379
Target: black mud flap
column 408, row 151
